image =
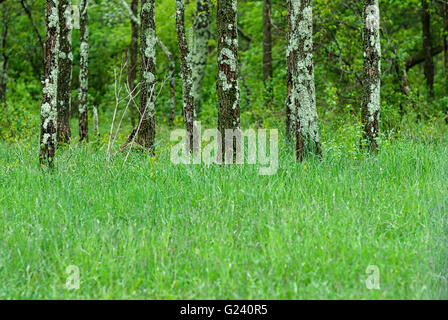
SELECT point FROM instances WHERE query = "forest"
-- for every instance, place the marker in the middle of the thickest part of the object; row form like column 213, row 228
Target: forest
column 223, row 149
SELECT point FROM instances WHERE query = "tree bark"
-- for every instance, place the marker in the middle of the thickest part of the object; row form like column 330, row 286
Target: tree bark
column 267, row 54
column 301, row 87
column 148, row 41
column 227, row 83
column 371, row 99
column 199, row 49
column 65, row 71
column 132, row 70
column 3, row 58
column 172, row 67
column 84, row 72
column 445, row 44
column 427, row 48
column 187, row 78
column 50, row 86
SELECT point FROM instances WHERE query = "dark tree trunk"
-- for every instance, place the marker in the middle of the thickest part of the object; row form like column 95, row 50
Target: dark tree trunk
column 187, row 80
column 445, row 44
column 267, row 53
column 84, row 72
column 3, row 59
column 371, row 99
column 172, row 67
column 290, row 110
column 65, row 71
column 148, row 41
column 227, row 82
column 50, row 86
column 427, row 48
column 132, row 71
column 301, row 87
column 199, row 49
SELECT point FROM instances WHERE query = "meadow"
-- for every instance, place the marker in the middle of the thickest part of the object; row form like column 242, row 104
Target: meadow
column 154, row 230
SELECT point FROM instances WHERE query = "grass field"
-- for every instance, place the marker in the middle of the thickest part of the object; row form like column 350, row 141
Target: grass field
column 159, row 231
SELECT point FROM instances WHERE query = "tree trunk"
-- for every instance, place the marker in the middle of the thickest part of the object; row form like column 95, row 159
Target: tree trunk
column 445, row 44
column 267, row 54
column 50, row 86
column 227, row 83
column 172, row 67
column 301, row 87
column 148, row 41
column 290, row 66
column 132, row 70
column 84, row 72
column 187, row 78
column 372, row 72
column 3, row 59
column 199, row 49
column 427, row 48
column 65, row 71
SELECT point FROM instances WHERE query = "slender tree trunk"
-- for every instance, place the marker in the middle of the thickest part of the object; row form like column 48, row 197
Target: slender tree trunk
column 199, row 49
column 50, row 86
column 267, row 54
column 227, row 83
column 132, row 71
column 3, row 58
column 290, row 65
column 65, row 71
column 148, row 41
column 445, row 44
column 84, row 72
column 187, row 78
column 371, row 100
column 427, row 48
column 302, row 96
column 172, row 67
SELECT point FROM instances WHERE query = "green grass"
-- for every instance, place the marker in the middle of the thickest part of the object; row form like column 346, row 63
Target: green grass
column 159, row 231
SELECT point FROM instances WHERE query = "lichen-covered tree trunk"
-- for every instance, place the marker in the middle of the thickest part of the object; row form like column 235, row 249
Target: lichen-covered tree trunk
column 227, row 83
column 199, row 49
column 427, row 48
column 132, row 71
column 148, row 41
column 267, row 53
column 187, row 80
column 65, row 71
column 301, row 87
column 50, row 86
column 84, row 71
column 290, row 109
column 371, row 99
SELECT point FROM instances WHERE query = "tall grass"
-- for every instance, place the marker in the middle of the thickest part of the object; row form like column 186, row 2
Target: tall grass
column 159, row 231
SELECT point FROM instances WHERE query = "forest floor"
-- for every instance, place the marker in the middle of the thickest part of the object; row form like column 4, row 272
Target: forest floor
column 154, row 230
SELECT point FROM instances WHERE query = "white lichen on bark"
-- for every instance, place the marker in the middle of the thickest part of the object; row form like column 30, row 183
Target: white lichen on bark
column 371, row 101
column 186, row 71
column 50, row 85
column 148, row 42
column 301, row 102
column 84, row 71
column 199, row 49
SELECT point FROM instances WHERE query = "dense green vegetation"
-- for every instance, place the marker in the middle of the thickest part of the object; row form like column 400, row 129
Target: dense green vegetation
column 155, row 230
column 146, row 228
